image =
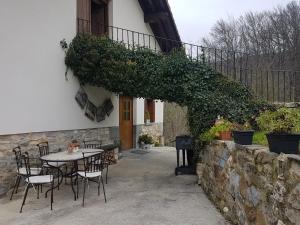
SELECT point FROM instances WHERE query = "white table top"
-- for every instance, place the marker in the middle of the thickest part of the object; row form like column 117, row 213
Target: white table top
column 74, row 156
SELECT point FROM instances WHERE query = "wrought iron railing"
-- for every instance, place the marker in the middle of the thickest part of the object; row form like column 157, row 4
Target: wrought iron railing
column 277, row 86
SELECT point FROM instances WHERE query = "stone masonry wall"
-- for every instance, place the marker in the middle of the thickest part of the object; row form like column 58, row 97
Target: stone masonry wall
column 57, row 140
column 251, row 185
column 155, row 130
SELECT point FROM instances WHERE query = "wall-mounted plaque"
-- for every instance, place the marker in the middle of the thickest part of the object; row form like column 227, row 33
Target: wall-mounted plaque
column 90, row 110
column 81, row 98
column 108, row 106
column 100, row 115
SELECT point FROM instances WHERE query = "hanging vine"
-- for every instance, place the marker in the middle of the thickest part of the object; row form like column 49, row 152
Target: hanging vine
column 173, row 77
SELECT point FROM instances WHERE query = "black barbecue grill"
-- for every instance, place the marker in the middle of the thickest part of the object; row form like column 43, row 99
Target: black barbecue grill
column 184, row 145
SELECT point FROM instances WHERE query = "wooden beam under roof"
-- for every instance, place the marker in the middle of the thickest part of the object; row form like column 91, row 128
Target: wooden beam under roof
column 155, row 17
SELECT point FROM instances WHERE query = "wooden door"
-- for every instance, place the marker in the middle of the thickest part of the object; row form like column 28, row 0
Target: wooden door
column 126, row 122
column 83, row 16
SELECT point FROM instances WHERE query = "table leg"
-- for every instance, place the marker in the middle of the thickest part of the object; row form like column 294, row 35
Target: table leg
column 75, row 168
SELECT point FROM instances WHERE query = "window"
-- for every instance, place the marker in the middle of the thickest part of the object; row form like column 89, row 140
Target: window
column 126, row 110
column 149, row 111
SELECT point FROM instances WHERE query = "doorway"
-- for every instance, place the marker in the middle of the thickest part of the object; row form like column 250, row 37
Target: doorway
column 126, row 122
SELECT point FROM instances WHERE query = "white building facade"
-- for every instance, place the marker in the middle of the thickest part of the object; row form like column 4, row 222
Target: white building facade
column 38, row 102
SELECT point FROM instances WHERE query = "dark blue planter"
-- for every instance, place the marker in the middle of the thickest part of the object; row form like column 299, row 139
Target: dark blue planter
column 285, row 143
column 243, row 137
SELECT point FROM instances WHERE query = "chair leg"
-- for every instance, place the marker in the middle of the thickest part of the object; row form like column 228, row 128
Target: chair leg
column 52, row 183
column 103, row 188
column 13, row 191
column 83, row 192
column 66, row 174
column 38, row 191
column 106, row 174
column 18, row 184
column 24, row 197
column 57, row 178
column 77, row 182
column 99, row 185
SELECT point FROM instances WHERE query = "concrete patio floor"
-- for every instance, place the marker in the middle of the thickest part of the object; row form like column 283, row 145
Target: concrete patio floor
column 142, row 190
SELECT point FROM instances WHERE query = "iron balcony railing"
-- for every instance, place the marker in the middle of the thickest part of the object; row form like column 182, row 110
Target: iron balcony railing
column 276, row 86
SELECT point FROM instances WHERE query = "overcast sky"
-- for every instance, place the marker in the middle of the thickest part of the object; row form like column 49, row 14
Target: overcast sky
column 195, row 18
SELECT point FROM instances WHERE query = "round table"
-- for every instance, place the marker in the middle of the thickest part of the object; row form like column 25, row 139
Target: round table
column 73, row 157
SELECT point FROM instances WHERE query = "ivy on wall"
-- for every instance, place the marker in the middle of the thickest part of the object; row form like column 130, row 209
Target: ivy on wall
column 140, row 72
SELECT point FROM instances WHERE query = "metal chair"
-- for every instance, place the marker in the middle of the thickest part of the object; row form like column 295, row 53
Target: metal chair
column 92, row 144
column 35, row 180
column 44, row 150
column 21, row 170
column 106, row 156
column 92, row 170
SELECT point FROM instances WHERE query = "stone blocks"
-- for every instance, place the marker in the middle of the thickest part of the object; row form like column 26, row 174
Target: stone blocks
column 255, row 186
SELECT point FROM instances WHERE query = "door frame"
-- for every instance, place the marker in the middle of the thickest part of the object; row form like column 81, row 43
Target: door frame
column 121, row 97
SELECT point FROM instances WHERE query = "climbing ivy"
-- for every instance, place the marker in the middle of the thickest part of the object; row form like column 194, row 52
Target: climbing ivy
column 172, row 77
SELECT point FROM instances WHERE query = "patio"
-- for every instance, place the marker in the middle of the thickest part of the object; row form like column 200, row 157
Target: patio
column 141, row 189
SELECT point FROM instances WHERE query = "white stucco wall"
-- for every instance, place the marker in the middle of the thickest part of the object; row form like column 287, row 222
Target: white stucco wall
column 34, row 94
column 129, row 15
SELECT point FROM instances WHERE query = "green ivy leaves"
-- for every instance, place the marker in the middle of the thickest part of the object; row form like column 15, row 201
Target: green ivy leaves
column 140, row 72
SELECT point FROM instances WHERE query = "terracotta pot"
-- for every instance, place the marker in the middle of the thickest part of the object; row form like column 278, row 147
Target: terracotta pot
column 225, row 135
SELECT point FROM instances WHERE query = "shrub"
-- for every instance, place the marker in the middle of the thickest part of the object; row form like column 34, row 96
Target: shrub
column 145, row 139
column 215, row 130
column 283, row 121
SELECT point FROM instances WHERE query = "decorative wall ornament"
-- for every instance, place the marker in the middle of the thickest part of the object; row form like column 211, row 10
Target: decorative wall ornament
column 81, row 98
column 108, row 106
column 100, row 115
column 90, row 110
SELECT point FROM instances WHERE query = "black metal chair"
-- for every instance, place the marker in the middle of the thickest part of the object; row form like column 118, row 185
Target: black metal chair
column 92, row 170
column 21, row 170
column 44, row 150
column 107, row 158
column 33, row 180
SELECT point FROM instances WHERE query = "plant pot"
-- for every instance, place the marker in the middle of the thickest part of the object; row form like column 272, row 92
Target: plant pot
column 243, row 137
column 225, row 135
column 285, row 143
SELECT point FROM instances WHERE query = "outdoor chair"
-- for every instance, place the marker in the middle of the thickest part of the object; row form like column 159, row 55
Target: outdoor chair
column 44, row 150
column 106, row 157
column 33, row 181
column 21, row 170
column 92, row 170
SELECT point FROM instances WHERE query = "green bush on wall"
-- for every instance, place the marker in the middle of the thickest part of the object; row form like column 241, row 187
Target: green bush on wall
column 172, row 77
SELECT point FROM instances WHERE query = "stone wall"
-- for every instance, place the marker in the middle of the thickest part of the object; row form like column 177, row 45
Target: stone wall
column 153, row 129
column 251, row 185
column 57, row 140
column 175, row 122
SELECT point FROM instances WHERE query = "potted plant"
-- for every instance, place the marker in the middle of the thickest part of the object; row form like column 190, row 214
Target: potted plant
column 282, row 127
column 147, row 117
column 220, row 130
column 73, row 146
column 145, row 141
column 242, row 133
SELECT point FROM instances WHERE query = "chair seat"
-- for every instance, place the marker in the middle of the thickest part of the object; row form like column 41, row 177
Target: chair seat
column 40, row 179
column 89, row 174
column 33, row 171
column 54, row 164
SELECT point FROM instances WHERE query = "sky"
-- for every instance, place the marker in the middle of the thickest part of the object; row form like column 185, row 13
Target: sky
column 195, row 18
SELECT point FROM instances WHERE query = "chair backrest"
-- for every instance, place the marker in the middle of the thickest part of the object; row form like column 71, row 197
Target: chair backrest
column 43, row 148
column 18, row 157
column 26, row 163
column 92, row 144
column 92, row 163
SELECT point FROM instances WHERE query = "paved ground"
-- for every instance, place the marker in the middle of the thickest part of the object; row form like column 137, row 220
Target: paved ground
column 142, row 190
